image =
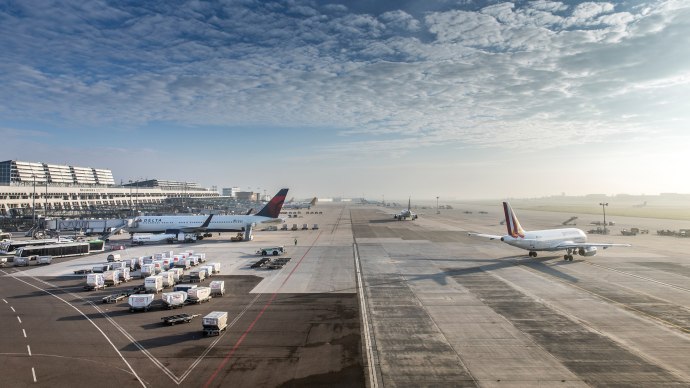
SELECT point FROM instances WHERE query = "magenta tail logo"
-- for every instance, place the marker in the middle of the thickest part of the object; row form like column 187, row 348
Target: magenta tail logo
column 272, row 208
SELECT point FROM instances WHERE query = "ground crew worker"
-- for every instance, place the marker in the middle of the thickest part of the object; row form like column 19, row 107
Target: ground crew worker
column 295, row 242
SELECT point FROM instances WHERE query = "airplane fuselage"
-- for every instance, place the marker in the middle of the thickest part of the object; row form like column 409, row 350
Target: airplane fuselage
column 546, row 240
column 218, row 223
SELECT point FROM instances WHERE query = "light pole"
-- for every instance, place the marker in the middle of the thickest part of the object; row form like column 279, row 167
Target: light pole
column 603, row 207
column 130, row 198
column 45, row 207
column 437, row 211
column 33, row 205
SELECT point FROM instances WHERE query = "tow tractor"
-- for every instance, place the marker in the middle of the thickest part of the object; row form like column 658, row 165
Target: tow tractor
column 178, row 318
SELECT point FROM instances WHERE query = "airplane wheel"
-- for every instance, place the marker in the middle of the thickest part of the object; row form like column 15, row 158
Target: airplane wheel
column 565, row 257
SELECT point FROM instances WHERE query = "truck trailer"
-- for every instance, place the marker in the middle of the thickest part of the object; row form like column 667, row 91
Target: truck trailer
column 199, row 294
column 140, row 302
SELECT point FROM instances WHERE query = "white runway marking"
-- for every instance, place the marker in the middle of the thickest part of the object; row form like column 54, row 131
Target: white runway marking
column 4, row 300
column 12, row 309
column 24, row 331
column 28, row 348
column 19, row 319
column 33, row 372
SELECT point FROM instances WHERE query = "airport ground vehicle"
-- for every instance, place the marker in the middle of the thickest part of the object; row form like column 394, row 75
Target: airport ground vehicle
column 55, row 250
column 82, row 271
column 217, row 287
column 199, row 294
column 140, row 302
column 112, row 278
column 147, row 270
column 143, row 238
column 168, row 279
column 275, row 251
column 114, row 257
column 179, row 318
column 20, row 261
column 94, row 281
column 115, row 298
column 184, row 287
column 125, row 275
column 197, row 275
column 44, row 259
column 174, row 299
column 154, row 283
column 238, row 237
column 215, row 323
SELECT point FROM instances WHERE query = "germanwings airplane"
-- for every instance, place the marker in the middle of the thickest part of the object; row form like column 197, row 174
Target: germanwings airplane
column 211, row 223
column 570, row 240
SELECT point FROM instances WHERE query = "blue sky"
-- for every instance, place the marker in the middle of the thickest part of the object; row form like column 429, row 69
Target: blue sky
column 460, row 99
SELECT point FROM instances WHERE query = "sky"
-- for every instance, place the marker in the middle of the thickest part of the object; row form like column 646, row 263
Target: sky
column 383, row 99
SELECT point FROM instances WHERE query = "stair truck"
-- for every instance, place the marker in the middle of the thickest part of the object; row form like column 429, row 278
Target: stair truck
column 215, row 323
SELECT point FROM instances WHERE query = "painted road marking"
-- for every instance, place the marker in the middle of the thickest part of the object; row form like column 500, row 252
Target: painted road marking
column 19, row 319
column 12, row 309
column 4, row 300
column 33, row 372
column 29, row 349
column 24, row 331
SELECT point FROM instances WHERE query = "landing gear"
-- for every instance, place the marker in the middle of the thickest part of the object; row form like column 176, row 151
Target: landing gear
column 568, row 257
column 532, row 254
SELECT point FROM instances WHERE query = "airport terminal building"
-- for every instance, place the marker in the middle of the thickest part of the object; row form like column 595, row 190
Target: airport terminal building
column 25, row 186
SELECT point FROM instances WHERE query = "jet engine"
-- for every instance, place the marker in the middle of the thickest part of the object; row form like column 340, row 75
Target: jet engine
column 589, row 251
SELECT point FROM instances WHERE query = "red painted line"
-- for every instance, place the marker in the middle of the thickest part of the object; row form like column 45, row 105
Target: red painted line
column 261, row 313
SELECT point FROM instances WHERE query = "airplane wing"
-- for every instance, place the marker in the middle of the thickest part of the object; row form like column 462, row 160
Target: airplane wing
column 489, row 236
column 573, row 245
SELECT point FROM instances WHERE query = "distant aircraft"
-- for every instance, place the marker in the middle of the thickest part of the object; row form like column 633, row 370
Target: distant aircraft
column 406, row 214
column 301, row 205
column 570, row 240
column 211, row 223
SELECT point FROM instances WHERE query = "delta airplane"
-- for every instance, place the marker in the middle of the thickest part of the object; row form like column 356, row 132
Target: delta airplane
column 406, row 214
column 211, row 223
column 570, row 240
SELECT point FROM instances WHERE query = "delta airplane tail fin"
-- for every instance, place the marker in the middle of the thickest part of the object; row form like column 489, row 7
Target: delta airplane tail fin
column 514, row 228
column 272, row 208
column 313, row 201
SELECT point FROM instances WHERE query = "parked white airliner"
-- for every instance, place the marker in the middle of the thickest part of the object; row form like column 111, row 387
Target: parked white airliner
column 208, row 223
column 570, row 240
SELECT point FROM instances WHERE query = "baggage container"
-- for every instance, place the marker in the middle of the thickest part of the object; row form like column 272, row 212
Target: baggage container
column 147, row 270
column 174, row 299
column 215, row 323
column 199, row 294
column 202, row 257
column 125, row 274
column 20, row 261
column 177, row 274
column 197, row 275
column 157, row 266
column 182, row 263
column 140, row 302
column 217, row 288
column 154, row 284
column 184, row 287
column 112, row 278
column 193, row 260
column 158, row 256
column 168, row 279
column 44, row 260
column 114, row 257
column 167, row 264
column 216, row 268
column 208, row 269
column 147, row 259
column 120, row 264
column 95, row 281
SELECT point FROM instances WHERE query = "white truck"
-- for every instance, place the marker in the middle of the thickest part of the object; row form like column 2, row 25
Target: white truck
column 215, row 323
column 112, row 278
column 217, row 287
column 199, row 294
column 143, row 238
column 95, row 281
column 274, row 251
column 140, row 302
column 168, row 279
column 154, row 284
column 174, row 299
